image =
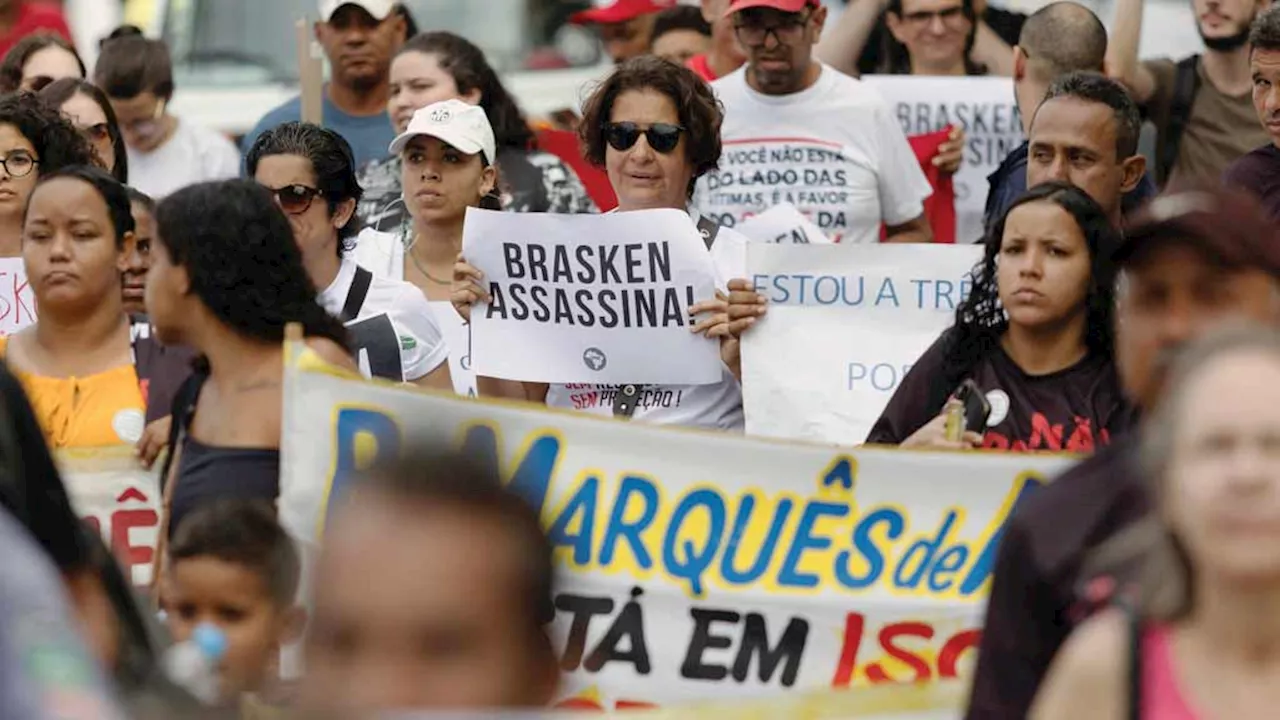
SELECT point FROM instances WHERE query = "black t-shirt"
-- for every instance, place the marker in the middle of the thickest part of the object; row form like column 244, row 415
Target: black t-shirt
column 1072, row 410
column 1039, row 593
column 1259, row 173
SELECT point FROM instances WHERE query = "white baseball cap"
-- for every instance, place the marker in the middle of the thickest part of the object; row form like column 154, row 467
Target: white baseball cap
column 462, row 125
column 379, row 9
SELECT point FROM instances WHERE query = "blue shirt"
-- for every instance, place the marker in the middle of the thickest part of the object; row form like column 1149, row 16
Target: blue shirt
column 369, row 135
column 1009, row 181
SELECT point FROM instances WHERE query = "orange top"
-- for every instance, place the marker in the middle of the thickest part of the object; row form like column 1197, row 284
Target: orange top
column 106, row 408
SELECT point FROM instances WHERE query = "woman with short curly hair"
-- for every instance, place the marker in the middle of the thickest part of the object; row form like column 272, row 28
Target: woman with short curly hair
column 654, row 127
column 35, row 140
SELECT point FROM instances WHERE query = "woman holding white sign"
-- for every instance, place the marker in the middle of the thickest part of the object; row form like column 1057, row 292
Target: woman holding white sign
column 655, row 129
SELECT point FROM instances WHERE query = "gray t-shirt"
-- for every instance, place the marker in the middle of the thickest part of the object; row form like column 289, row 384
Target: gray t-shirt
column 46, row 673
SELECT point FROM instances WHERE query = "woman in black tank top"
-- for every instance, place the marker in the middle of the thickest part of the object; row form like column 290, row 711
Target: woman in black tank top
column 226, row 278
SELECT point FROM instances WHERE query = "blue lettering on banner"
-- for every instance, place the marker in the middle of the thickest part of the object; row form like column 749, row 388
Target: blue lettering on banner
column 808, row 289
column 880, row 376
column 706, row 537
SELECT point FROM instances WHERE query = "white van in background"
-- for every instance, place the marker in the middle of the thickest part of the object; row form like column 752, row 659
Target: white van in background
column 236, row 59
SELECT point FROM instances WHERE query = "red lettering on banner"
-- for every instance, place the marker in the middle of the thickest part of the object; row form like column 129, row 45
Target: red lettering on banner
column 20, row 284
column 887, row 641
column 122, row 521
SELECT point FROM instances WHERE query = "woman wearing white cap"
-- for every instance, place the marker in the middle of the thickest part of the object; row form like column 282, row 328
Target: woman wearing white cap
column 654, row 127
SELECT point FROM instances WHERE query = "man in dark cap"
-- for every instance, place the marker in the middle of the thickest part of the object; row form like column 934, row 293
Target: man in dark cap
column 1190, row 261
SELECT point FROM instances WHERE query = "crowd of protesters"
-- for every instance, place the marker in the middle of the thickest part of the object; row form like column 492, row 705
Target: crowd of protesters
column 1133, row 304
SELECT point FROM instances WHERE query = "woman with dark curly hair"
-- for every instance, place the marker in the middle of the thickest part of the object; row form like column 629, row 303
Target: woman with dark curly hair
column 1034, row 336
column 437, row 66
column 90, row 111
column 92, row 372
column 37, row 60
column 226, row 277
column 654, row 127
column 34, row 141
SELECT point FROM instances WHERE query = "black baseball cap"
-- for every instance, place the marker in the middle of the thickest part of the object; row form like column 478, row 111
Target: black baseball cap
column 1229, row 225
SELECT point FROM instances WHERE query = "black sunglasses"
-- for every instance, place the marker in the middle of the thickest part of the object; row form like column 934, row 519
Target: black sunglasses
column 295, row 199
column 662, row 137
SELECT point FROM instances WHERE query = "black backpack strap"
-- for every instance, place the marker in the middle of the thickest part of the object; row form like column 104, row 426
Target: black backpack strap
column 1186, row 83
column 708, row 230
column 357, row 294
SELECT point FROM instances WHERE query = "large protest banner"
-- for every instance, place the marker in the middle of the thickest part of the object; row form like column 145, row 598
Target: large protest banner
column 111, row 491
column 983, row 106
column 697, row 565
column 590, row 298
column 845, row 324
column 17, row 302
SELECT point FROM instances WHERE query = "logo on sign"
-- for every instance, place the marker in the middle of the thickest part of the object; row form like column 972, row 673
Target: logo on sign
column 594, row 359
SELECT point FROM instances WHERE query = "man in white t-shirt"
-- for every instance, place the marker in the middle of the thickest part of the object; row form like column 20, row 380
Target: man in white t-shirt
column 390, row 327
column 797, row 131
column 165, row 152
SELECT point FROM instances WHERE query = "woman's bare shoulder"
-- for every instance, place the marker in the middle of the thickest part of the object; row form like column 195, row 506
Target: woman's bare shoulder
column 1089, row 676
column 331, row 352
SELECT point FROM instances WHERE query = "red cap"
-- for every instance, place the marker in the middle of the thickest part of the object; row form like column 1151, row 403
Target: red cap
column 791, row 6
column 607, row 12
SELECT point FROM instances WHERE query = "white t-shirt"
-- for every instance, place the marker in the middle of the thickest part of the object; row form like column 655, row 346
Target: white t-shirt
column 194, row 154
column 395, row 333
column 717, row 406
column 833, row 150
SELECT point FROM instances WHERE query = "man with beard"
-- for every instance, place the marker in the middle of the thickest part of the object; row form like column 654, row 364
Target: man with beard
column 801, row 132
column 1259, row 171
column 1200, row 105
column 1190, row 261
column 360, row 37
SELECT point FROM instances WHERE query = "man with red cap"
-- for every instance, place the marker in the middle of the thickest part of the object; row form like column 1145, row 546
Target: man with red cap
column 725, row 55
column 799, row 132
column 625, row 26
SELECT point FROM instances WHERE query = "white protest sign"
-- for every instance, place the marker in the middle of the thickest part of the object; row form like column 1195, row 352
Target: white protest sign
column 845, row 323
column 17, row 302
column 590, row 298
column 110, row 490
column 457, row 336
column 783, row 224
column 983, row 106
column 699, row 566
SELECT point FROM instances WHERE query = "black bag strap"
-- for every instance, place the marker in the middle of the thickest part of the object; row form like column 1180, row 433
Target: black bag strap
column 1186, row 83
column 357, row 294
column 1134, row 699
column 184, row 407
column 708, row 230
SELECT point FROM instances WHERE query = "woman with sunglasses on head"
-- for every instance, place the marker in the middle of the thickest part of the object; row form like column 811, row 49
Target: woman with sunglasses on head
column 37, row 60
column 34, row 141
column 89, row 110
column 1034, row 337
column 437, row 66
column 226, row 278
column 311, row 172
column 95, row 377
column 654, row 127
